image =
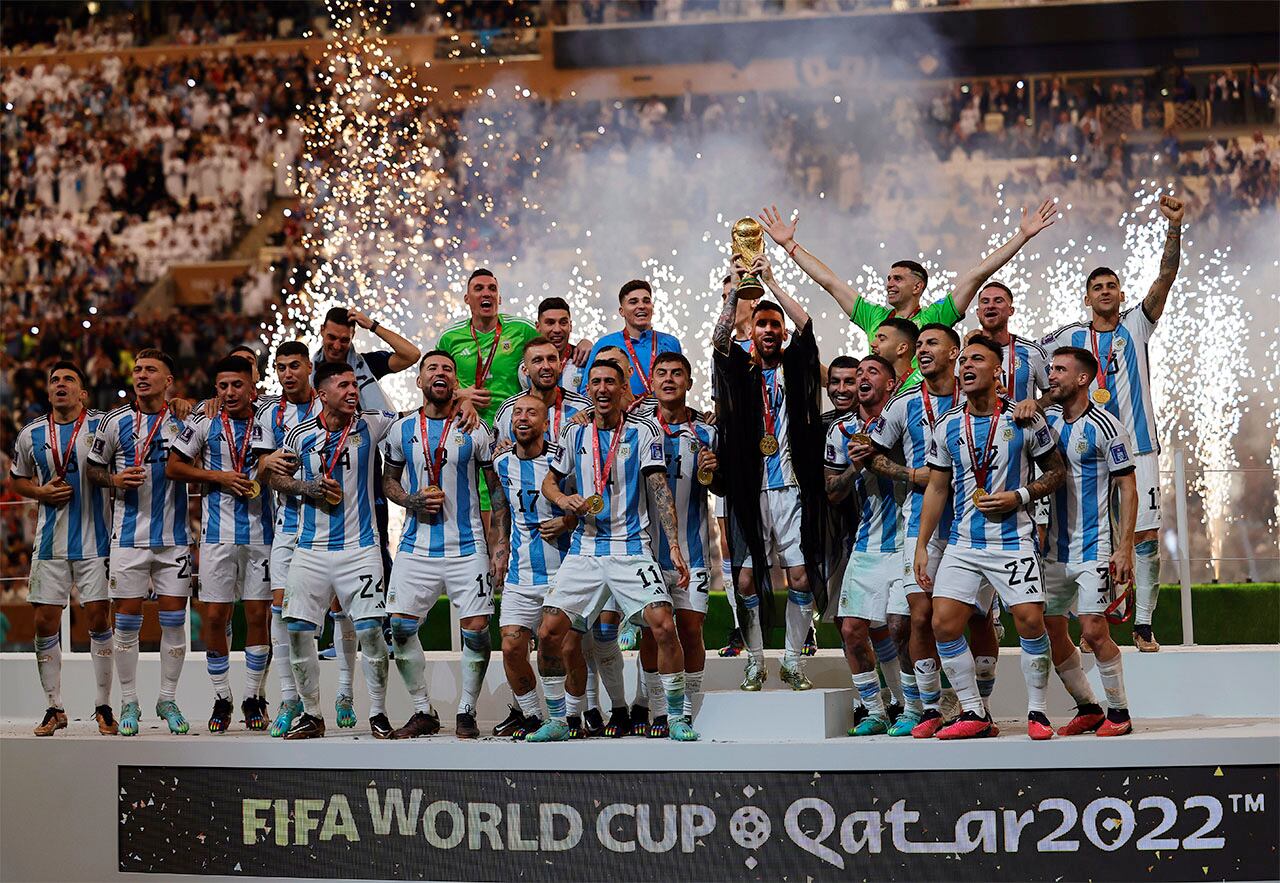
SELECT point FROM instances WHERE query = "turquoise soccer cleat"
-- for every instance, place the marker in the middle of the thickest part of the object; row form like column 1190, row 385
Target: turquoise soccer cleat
column 285, row 715
column 551, row 731
column 168, row 709
column 129, row 716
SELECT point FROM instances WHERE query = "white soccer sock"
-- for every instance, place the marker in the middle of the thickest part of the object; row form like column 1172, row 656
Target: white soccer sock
column 591, row 698
column 1035, row 670
column 609, row 662
column 653, row 692
column 100, row 649
column 173, row 651
column 799, row 620
column 476, row 649
column 867, row 683
column 1146, row 581
column 256, row 657
column 553, row 689
column 752, row 636
column 1112, row 674
column 692, row 694
column 726, row 573
column 219, row 667
column 1074, row 679
column 887, row 656
column 929, row 682
column 672, row 686
column 642, row 688
column 957, row 662
column 373, row 656
column 344, row 646
column 572, row 705
column 280, row 652
column 49, row 664
column 411, row 662
column 304, row 659
column 984, row 667
column 126, row 655
column 910, row 692
column 528, row 703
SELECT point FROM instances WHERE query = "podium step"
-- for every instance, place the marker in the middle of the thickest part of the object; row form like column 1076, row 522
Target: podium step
column 775, row 715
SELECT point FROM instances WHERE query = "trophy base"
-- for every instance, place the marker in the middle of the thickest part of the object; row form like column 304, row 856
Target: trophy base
column 749, row 288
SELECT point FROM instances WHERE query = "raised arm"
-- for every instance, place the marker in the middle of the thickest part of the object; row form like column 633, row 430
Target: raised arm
column 798, row 315
column 1158, row 294
column 968, row 284
column 785, row 235
column 722, row 335
column 403, row 353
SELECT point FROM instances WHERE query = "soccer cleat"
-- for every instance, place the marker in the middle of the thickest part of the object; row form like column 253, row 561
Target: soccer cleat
column 344, row 706
column 106, row 720
column 255, row 713
column 681, row 730
column 629, row 637
column 54, row 719
column 306, row 726
column 905, row 723
column 285, row 715
column 527, row 726
column 1145, row 640
column 380, row 727
column 735, row 645
column 1088, row 718
column 930, row 722
column 330, row 652
column 639, row 720
column 1038, row 726
column 893, row 711
column 755, row 676
column 551, row 731
column 465, row 726
column 421, row 724
column 575, row 727
column 810, row 647
column 593, row 723
column 220, row 717
column 168, row 709
column 619, row 723
column 795, row 678
column 513, row 722
column 1117, row 723
column 871, row 725
column 659, row 728
column 129, row 716
column 968, row 725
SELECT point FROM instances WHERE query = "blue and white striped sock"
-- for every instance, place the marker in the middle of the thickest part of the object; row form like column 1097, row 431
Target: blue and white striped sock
column 957, row 662
column 910, row 692
column 929, row 680
column 1035, row 670
column 173, row 651
column 553, row 691
column 256, row 659
column 887, row 656
column 49, row 664
column 100, row 648
column 126, row 655
column 219, row 667
column 984, row 668
column 752, row 635
column 867, row 683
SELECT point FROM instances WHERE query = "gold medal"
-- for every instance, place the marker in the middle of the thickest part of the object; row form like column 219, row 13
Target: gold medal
column 769, row 444
column 705, row 477
column 595, row 504
column 255, row 491
column 979, row 495
column 860, row 438
column 334, row 498
column 1102, row 396
column 431, row 489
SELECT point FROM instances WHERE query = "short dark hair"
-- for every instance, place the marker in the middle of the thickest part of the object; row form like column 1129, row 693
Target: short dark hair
column 843, row 362
column 905, row 327
column 553, row 303
column 1099, row 271
column 608, row 363
column 233, row 365
column 339, row 316
column 66, row 365
column 536, row 341
column 448, row 355
column 331, row 369
column 987, row 343
column 670, row 356
column 991, row 283
column 763, row 306
column 293, row 348
column 151, row 352
column 481, row 271
column 1083, row 356
column 882, row 362
column 244, row 348
column 633, row 285
column 945, row 329
column 915, row 268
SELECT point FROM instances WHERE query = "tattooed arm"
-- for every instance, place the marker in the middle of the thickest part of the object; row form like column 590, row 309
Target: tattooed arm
column 722, row 336
column 1053, row 473
column 499, row 526
column 881, row 465
column 1153, row 304
column 665, row 507
column 840, row 483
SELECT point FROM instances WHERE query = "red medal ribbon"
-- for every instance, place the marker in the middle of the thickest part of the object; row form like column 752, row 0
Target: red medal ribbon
column 1102, row 366
column 981, row 467
column 140, row 454
column 61, row 463
column 284, row 403
column 928, row 404
column 330, row 465
column 434, row 461
column 653, row 354
column 482, row 370
column 1011, row 376
column 557, row 414
column 602, row 472
column 229, row 435
column 770, row 420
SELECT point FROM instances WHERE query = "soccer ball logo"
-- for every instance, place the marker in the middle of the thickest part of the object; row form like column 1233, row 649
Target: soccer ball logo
column 750, row 827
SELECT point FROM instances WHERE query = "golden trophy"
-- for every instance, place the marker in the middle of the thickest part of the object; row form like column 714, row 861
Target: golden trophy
column 748, row 244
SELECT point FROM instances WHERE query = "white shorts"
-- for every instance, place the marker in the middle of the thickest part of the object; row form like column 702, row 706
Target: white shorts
column 719, row 506
column 135, row 572
column 522, row 606
column 584, row 584
column 899, row 591
column 418, row 581
column 315, row 576
column 1147, row 474
column 1084, row 588
column 973, row 576
column 693, row 596
column 1040, row 511
column 231, row 572
column 281, row 556
column 868, row 584
column 779, row 525
column 51, row 580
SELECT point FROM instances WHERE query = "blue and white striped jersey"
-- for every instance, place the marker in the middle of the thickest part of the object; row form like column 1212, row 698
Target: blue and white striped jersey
column 622, row 529
column 1095, row 447
column 350, row 524
column 570, row 403
column 681, row 443
column 155, row 513
column 778, row 472
column 79, row 529
column 1123, row 356
column 533, row 560
column 457, row 531
column 1013, row 450
column 224, row 517
column 570, row 375
column 270, row 425
column 875, row 497
column 1027, row 364
column 903, row 431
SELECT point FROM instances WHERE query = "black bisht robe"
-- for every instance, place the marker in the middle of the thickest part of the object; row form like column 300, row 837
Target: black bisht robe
column 740, row 426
